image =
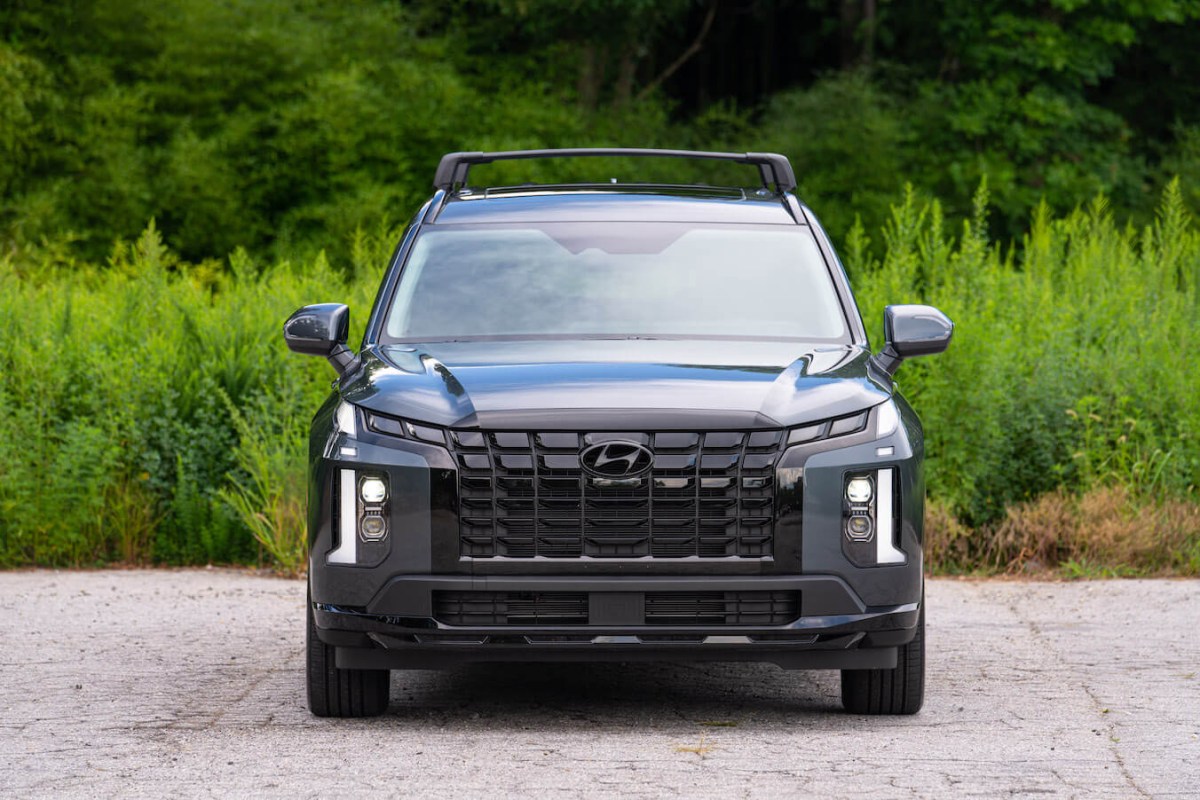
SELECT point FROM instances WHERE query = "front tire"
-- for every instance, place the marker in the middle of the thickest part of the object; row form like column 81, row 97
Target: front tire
column 334, row 692
column 890, row 691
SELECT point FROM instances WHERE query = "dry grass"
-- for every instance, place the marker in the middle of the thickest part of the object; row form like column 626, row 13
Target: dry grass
column 1105, row 531
column 948, row 543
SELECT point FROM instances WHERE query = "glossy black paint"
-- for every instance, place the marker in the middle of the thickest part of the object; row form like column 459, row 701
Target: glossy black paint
column 774, row 169
column 913, row 330
column 321, row 330
column 317, row 329
column 597, row 383
column 381, row 614
column 878, row 604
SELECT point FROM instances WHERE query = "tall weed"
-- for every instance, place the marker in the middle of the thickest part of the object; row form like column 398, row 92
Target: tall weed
column 153, row 414
column 1071, row 365
column 268, row 490
column 117, row 382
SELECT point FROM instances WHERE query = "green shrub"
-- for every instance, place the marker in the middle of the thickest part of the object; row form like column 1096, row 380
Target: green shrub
column 268, row 490
column 153, row 414
column 118, row 437
column 1071, row 363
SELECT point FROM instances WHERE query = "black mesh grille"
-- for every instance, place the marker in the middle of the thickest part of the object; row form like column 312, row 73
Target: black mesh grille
column 471, row 608
column 524, row 495
column 722, row 608
column 511, row 608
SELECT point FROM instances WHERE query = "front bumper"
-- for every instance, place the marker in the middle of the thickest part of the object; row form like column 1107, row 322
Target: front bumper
column 381, row 611
column 399, row 628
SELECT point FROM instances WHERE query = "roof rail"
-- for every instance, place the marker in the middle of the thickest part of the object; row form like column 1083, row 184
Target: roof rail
column 773, row 167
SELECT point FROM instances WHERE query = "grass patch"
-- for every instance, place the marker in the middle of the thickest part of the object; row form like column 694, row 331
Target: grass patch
column 1103, row 533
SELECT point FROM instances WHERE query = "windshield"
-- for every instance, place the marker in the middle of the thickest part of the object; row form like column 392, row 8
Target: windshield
column 606, row 279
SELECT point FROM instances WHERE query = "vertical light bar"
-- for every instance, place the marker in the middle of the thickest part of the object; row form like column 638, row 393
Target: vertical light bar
column 347, row 549
column 885, row 514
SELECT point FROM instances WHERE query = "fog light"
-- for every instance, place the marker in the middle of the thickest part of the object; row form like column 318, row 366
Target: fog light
column 858, row 490
column 859, row 527
column 373, row 490
column 373, row 527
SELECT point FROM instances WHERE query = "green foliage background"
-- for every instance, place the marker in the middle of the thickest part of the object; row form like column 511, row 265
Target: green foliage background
column 283, row 125
column 176, row 177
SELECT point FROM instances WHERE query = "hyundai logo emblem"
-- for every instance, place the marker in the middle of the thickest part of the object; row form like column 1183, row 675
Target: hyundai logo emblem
column 616, row 460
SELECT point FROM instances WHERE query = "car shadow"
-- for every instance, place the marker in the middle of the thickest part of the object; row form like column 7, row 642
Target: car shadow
column 612, row 695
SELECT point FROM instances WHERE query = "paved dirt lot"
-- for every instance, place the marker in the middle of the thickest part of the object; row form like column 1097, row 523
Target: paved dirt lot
column 166, row 683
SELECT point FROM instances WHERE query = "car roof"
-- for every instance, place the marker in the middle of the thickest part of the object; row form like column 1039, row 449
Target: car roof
column 626, row 204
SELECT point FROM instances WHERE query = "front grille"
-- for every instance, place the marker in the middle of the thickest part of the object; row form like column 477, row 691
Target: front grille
column 510, row 608
column 722, row 608
column 525, row 495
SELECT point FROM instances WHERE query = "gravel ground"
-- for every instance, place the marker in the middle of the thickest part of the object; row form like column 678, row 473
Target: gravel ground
column 165, row 683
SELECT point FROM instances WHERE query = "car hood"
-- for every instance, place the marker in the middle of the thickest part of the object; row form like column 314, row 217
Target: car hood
column 639, row 384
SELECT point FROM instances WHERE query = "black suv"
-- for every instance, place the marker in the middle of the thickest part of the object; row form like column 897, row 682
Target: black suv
column 615, row 422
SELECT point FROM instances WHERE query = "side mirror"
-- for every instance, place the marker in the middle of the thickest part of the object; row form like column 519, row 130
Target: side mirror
column 321, row 330
column 912, row 331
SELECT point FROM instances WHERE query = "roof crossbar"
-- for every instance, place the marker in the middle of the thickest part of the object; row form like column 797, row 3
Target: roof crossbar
column 772, row 167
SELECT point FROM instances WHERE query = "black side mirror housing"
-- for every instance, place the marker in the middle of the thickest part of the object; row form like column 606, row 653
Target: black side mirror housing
column 909, row 331
column 321, row 330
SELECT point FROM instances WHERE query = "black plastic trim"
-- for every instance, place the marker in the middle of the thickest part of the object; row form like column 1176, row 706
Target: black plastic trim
column 391, row 276
column 837, row 271
column 773, row 167
column 447, row 656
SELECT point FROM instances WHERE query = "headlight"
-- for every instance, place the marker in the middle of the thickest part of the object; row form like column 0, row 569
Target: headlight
column 858, row 490
column 859, row 527
column 361, row 512
column 838, row 426
column 373, row 527
column 392, row 426
column 373, row 490
column 869, row 519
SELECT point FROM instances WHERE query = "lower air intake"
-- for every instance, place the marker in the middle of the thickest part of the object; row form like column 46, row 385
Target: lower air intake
column 510, row 608
column 722, row 608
